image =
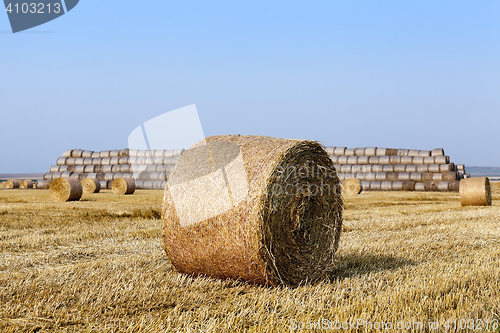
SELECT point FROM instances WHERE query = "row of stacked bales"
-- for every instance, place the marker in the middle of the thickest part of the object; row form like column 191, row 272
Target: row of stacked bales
column 388, row 169
column 149, row 168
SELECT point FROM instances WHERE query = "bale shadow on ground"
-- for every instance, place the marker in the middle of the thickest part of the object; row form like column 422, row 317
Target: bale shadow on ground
column 353, row 265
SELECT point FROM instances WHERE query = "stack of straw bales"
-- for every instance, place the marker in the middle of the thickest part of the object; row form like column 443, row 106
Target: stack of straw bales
column 389, row 169
column 149, row 169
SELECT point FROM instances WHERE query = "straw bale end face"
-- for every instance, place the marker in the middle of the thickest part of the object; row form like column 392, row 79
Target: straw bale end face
column 123, row 186
column 65, row 189
column 258, row 209
column 12, row 183
column 351, row 186
column 475, row 191
column 91, row 185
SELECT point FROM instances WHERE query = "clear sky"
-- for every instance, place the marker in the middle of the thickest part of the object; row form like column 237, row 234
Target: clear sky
column 401, row 74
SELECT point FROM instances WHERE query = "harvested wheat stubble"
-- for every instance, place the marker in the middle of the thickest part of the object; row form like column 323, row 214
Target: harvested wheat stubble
column 27, row 183
column 351, row 186
column 475, row 191
column 123, row 186
column 91, row 185
column 12, row 183
column 247, row 235
column 66, row 189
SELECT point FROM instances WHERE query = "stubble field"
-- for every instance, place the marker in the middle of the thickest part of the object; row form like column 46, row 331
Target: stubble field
column 97, row 265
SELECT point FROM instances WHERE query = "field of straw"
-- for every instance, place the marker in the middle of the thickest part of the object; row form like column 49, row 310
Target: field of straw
column 414, row 260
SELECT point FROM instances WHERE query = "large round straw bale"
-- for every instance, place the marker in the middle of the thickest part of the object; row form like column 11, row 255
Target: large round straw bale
column 263, row 235
column 125, row 168
column 12, row 183
column 375, row 186
column 92, row 175
column 351, row 186
column 454, row 186
column 366, row 168
column 116, row 168
column 79, row 161
column 47, row 175
column 79, row 176
column 27, row 183
column 360, row 176
column 392, row 176
column 71, row 161
column 437, row 176
column 100, row 176
column 106, row 161
column 352, row 160
column 67, row 153
column 365, row 185
column 124, row 152
column 349, row 151
column 403, row 152
column 66, row 189
column 374, row 159
column 446, row 167
column 359, row 151
column 434, row 168
column 424, row 153
column 76, row 153
column 109, row 176
column 371, row 176
column 419, row 187
column 3, row 185
column 104, row 153
column 89, row 169
column 411, row 168
column 397, row 186
column 179, row 152
column 387, row 168
column 91, row 185
column 395, row 159
column 437, row 152
column 418, row 160
column 78, row 168
column 87, row 153
column 416, row 176
column 381, row 176
column 342, row 159
column 406, row 160
column 61, row 161
column 391, row 151
column 65, row 174
column 96, row 154
column 442, row 159
column 475, row 191
column 403, row 186
column 87, row 161
column 429, row 160
column 413, row 152
column 123, row 185
column 423, row 168
column 399, row 168
column 54, row 168
column 114, row 153
column 123, row 160
column 431, row 186
column 97, row 161
column 386, row 186
column 404, row 176
column 381, row 151
column 104, row 184
column 346, row 168
column 106, row 168
column 339, row 151
column 356, row 168
column 371, row 151
column 450, row 175
column 334, row 158
column 43, row 184
column 427, row 176
column 377, row 168
column 114, row 160
column 330, row 150
column 443, row 186
column 159, row 153
column 363, row 159
column 384, row 160
column 460, row 167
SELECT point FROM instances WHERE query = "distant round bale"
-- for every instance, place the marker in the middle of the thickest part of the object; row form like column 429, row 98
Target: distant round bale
column 12, row 184
column 406, row 160
column 66, row 189
column 123, row 186
column 104, row 184
column 91, row 185
column 87, row 153
column 67, row 153
column 386, row 186
column 124, row 152
column 393, row 176
column 359, row 151
column 449, row 176
column 61, row 161
column 43, row 184
column 349, row 151
column 339, row 151
column 436, row 168
column 424, row 153
column 413, row 152
column 423, row 168
column 399, row 168
column 114, row 153
column 375, row 186
column 374, row 159
column 437, row 152
column 96, row 154
column 442, row 159
column 387, row 168
column 429, row 160
column 365, row 185
column 418, row 160
column 104, row 153
column 420, row 187
column 431, row 186
column 76, row 153
column 334, row 158
column 384, row 160
column 351, row 186
column 475, row 191
column 27, row 183
column 411, row 168
column 395, row 159
column 371, row 151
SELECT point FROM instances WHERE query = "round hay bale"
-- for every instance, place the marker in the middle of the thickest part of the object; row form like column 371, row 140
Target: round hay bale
column 460, row 167
column 349, row 152
column 96, row 154
column 154, row 175
column 159, row 153
column 139, row 184
column 384, row 160
column 334, row 159
column 114, row 160
column 25, row 184
column 65, row 174
column 124, row 152
column 157, row 185
column 76, row 153
column 420, row 187
column 399, row 168
column 446, row 167
column 411, row 168
column 67, row 153
column 342, row 159
column 114, row 153
column 149, row 160
column 170, row 168
column 61, row 161
column 366, row 168
column 381, row 152
column 123, row 186
column 386, row 186
column 87, row 153
column 387, row 168
column 169, row 160
column 395, row 159
column 377, row 168
column 66, row 189
column 168, row 153
column 416, row 176
column 393, row 176
column 454, row 186
column 442, row 159
column 427, row 176
column 350, row 175
column 116, row 168
column 88, row 169
column 79, row 168
column 253, row 240
column 371, row 151
column 141, row 153
column 381, row 176
column 359, row 151
column 133, row 152
column 71, row 161
column 431, row 186
column 475, row 191
column 104, row 184
column 423, row 168
column 424, row 153
column 449, row 176
column 109, row 176
column 91, row 185
column 161, row 168
column 408, row 160
column 437, row 176
column 54, row 168
column 371, row 176
column 397, row 186
column 374, row 159
column 391, row 151
column 437, row 152
column 12, row 184
column 365, row 185
column 123, row 160
column 356, row 168
column 413, row 152
column 147, row 184
column 92, row 175
column 88, row 161
column 118, row 175
column 404, row 176
column 104, row 154
column 429, row 160
column 110, row 185
column 434, row 168
column 126, row 168
column 43, row 184
column 151, row 168
column 133, row 160
column 106, row 168
column 97, row 161
column 351, row 186
column 339, row 151
column 329, row 150
column 47, row 175
column 129, row 175
column 375, row 186
column 403, row 152
column 3, row 184
column 100, row 176
column 418, row 160
column 79, row 176
column 178, row 152
column 443, row 186
column 346, row 168
column 158, row 160
column 79, row 161
column 106, row 161
column 363, row 160
column 360, row 176
column 408, row 185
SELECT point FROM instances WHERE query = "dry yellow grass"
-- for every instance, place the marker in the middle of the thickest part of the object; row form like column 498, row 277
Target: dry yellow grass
column 97, row 265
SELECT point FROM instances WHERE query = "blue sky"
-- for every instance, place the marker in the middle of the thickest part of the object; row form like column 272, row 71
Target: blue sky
column 402, row 74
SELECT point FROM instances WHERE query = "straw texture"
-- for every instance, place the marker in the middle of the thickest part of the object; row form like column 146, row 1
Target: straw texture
column 27, row 183
column 123, row 186
column 65, row 189
column 475, row 191
column 351, row 186
column 12, row 183
column 268, row 231
column 91, row 185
